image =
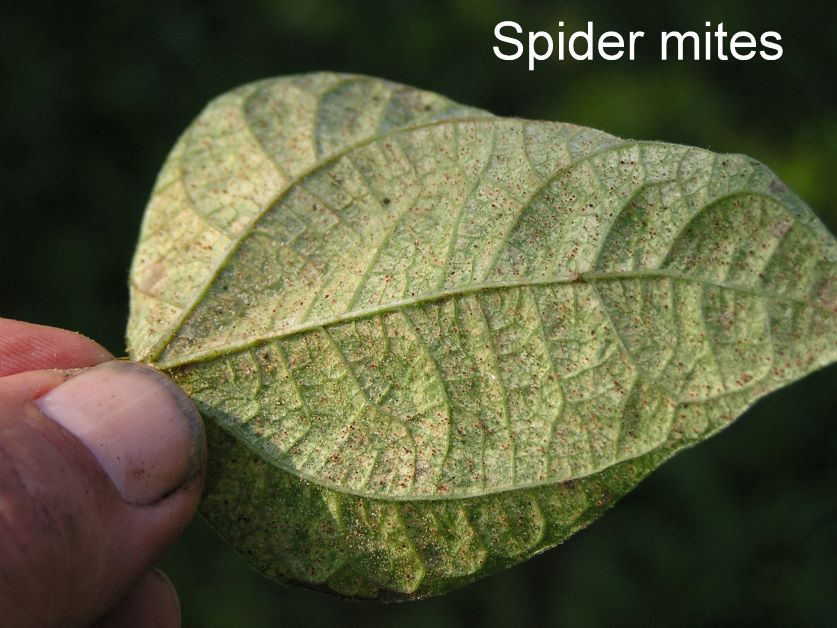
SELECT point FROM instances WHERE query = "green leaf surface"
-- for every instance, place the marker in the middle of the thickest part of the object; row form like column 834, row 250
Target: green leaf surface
column 430, row 342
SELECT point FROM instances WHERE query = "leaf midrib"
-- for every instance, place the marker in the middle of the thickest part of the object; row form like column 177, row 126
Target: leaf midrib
column 591, row 276
column 441, row 295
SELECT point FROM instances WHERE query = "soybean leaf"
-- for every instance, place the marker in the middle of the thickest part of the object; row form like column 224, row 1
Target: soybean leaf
column 430, row 342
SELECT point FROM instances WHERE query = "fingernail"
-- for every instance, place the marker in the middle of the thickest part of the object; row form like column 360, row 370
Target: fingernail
column 143, row 430
column 161, row 575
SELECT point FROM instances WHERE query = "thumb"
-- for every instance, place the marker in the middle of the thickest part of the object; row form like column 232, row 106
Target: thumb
column 98, row 474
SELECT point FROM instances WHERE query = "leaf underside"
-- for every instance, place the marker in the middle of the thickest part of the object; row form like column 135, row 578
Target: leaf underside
column 431, row 342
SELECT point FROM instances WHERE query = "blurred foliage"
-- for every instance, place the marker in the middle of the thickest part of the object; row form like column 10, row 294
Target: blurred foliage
column 740, row 531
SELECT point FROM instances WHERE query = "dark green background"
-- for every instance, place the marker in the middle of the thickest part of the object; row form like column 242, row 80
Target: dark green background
column 740, row 531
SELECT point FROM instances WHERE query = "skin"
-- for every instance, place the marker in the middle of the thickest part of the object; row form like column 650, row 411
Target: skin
column 72, row 552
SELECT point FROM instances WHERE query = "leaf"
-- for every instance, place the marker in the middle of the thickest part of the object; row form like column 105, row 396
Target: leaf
column 431, row 342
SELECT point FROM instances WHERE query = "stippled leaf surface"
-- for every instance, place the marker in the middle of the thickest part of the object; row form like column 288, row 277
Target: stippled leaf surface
column 431, row 342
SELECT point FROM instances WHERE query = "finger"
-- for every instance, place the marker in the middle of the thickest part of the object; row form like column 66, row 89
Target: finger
column 27, row 347
column 152, row 602
column 97, row 476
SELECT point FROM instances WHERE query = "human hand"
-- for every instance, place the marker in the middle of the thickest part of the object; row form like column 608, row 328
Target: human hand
column 99, row 472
